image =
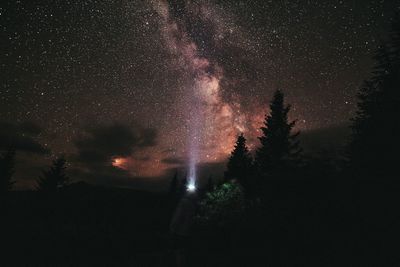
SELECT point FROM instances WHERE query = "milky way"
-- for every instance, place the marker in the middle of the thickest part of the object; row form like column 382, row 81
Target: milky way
column 212, row 124
column 197, row 73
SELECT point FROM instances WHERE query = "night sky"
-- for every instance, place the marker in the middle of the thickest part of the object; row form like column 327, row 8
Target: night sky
column 131, row 90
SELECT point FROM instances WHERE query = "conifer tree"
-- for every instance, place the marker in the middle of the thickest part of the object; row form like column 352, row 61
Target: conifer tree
column 182, row 188
column 55, row 178
column 279, row 146
column 240, row 163
column 7, row 162
column 210, row 185
column 374, row 146
column 173, row 186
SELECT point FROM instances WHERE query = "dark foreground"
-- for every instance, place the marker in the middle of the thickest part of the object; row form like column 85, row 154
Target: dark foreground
column 306, row 223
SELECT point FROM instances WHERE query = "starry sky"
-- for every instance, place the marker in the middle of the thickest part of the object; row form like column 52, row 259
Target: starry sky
column 131, row 90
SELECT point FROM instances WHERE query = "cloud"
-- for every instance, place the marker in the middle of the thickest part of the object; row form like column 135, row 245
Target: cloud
column 22, row 136
column 148, row 137
column 174, row 161
column 100, row 143
column 31, row 128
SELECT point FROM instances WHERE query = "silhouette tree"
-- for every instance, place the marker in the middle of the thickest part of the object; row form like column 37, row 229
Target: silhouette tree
column 395, row 33
column 55, row 178
column 210, row 185
column 374, row 147
column 240, row 164
column 182, row 187
column 173, row 186
column 174, row 193
column 7, row 162
column 279, row 147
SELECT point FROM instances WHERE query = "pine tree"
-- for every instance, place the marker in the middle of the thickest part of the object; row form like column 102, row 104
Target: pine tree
column 210, row 185
column 395, row 38
column 55, row 178
column 7, row 162
column 279, row 146
column 374, row 146
column 173, row 186
column 240, row 163
column 182, row 188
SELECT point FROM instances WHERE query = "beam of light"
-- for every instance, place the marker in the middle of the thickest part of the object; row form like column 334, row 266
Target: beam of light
column 193, row 152
column 192, row 165
column 191, row 187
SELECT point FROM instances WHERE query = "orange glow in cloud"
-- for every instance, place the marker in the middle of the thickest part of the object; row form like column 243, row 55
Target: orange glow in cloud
column 119, row 163
column 147, row 164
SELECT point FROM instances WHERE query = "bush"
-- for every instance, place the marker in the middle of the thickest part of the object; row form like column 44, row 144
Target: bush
column 223, row 206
